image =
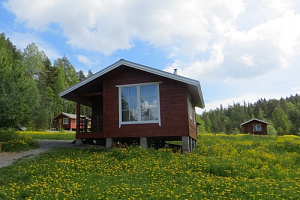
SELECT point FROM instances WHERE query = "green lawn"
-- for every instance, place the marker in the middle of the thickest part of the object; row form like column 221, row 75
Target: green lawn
column 222, row 167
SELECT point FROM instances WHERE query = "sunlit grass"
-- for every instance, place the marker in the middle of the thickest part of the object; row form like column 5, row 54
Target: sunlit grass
column 40, row 135
column 222, row 167
column 13, row 141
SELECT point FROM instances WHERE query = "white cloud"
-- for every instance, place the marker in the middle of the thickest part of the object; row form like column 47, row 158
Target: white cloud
column 247, row 44
column 21, row 40
column 90, row 62
column 180, row 27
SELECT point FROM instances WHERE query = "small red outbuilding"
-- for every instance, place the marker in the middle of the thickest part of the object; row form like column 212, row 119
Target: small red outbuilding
column 67, row 121
column 255, row 126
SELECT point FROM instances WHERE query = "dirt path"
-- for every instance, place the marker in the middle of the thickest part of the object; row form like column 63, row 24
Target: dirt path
column 7, row 158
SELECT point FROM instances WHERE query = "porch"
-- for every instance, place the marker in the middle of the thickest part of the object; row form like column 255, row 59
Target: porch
column 90, row 129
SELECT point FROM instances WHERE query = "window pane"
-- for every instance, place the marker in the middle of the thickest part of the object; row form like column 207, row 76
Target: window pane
column 145, row 115
column 154, row 114
column 147, row 100
column 152, row 90
column 153, row 102
column 125, row 116
column 132, row 104
column 133, row 115
column 125, row 105
column 257, row 127
column 125, row 92
column 132, row 92
column 144, row 91
column 144, row 103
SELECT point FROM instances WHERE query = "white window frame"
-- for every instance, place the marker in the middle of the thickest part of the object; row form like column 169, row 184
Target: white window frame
column 254, row 127
column 67, row 119
column 139, row 121
column 191, row 110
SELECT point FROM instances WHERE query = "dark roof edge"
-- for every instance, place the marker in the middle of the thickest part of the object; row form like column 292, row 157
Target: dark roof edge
column 256, row 120
column 140, row 67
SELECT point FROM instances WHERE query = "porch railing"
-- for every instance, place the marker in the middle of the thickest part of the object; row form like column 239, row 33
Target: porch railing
column 95, row 124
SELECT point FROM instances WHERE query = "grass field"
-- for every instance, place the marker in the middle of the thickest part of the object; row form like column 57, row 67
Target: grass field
column 40, row 135
column 222, row 167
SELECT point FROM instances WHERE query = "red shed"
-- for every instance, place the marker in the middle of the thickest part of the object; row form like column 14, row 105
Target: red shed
column 255, row 126
column 67, row 121
column 133, row 101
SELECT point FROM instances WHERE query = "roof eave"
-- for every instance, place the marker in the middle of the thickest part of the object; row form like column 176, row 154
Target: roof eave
column 199, row 103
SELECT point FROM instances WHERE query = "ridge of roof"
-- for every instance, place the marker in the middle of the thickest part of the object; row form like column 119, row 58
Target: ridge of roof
column 256, row 120
column 72, row 116
column 139, row 67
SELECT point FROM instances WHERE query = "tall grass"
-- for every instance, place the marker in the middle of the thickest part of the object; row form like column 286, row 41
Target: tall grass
column 13, row 141
column 222, row 167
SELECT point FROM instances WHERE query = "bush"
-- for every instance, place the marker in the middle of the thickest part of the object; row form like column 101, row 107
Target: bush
column 13, row 141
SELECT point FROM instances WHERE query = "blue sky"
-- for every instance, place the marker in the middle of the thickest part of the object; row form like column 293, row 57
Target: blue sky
column 239, row 50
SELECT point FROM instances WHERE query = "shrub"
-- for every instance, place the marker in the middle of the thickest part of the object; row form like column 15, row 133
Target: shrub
column 13, row 141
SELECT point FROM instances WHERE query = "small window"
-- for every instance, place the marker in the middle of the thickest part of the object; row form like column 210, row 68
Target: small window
column 139, row 103
column 257, row 127
column 65, row 121
column 191, row 110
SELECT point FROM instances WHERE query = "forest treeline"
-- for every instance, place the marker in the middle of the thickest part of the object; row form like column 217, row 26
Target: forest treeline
column 283, row 116
column 30, row 84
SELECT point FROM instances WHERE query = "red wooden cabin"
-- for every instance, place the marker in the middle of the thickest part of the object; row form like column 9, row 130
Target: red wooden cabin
column 255, row 126
column 130, row 100
column 67, row 121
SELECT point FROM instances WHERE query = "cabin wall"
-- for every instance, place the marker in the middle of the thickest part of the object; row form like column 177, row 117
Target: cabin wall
column 248, row 128
column 70, row 125
column 173, row 106
column 73, row 123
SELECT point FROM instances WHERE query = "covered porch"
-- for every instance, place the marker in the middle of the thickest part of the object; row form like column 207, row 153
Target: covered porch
column 93, row 128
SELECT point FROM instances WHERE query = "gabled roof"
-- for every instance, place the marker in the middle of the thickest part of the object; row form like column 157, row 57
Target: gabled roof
column 192, row 85
column 254, row 119
column 68, row 115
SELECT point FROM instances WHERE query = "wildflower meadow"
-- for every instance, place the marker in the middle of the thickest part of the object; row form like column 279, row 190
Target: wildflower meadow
column 222, row 167
column 50, row 135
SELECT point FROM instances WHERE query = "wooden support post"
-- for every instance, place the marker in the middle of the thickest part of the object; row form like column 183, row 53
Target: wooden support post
column 108, row 143
column 191, row 144
column 144, row 142
column 78, row 140
column 185, row 144
column 78, row 117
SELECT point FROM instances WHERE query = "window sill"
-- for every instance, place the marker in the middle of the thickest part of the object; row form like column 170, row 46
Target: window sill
column 143, row 122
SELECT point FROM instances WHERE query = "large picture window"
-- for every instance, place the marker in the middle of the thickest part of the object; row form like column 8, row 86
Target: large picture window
column 139, row 103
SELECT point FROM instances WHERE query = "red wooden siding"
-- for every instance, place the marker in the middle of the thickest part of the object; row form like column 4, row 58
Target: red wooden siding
column 248, row 128
column 70, row 125
column 173, row 106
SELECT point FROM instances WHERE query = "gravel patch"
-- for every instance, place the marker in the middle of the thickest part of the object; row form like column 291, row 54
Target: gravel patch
column 7, row 158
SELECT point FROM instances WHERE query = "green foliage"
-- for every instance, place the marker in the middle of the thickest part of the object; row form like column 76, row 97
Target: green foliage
column 222, row 167
column 287, row 121
column 29, row 87
column 201, row 125
column 280, row 121
column 13, row 141
column 271, row 130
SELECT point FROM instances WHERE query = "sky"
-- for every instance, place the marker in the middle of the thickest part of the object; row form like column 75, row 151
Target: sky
column 239, row 50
